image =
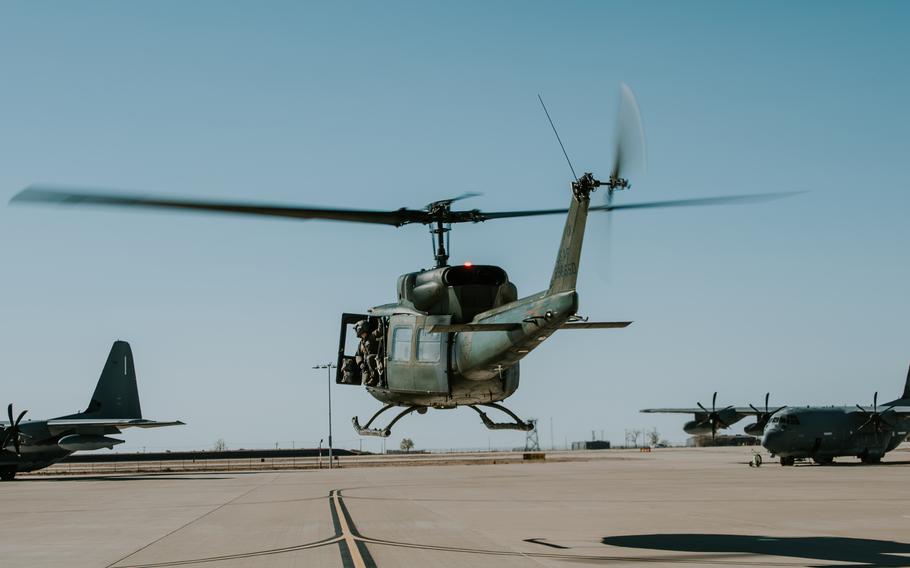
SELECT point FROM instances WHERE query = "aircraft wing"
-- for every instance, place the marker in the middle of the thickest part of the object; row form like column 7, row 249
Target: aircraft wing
column 743, row 410
column 90, row 425
column 883, row 409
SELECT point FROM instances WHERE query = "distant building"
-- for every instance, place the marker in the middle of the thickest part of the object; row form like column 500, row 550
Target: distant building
column 591, row 445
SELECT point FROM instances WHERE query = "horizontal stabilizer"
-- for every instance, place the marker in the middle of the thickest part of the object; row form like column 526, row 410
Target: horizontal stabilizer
column 456, row 327
column 595, row 325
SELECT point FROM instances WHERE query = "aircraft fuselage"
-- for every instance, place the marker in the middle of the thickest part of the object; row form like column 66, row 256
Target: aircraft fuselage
column 823, row 433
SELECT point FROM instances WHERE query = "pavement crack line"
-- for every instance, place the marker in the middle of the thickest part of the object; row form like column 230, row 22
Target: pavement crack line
column 190, row 522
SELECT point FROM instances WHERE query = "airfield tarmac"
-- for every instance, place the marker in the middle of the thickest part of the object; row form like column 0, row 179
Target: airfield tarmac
column 694, row 506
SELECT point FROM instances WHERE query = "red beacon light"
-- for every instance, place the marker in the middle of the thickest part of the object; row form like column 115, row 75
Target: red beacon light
column 468, row 264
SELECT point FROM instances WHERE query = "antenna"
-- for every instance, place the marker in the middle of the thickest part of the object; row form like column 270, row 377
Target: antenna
column 558, row 139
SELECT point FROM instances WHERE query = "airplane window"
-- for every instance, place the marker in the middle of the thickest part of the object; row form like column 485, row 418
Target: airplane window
column 401, row 344
column 428, row 346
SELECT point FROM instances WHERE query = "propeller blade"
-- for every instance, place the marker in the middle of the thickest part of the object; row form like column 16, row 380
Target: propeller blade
column 9, row 412
column 702, row 407
column 714, row 401
column 697, row 202
column 759, row 412
column 767, row 397
column 19, row 419
column 69, row 196
column 875, row 402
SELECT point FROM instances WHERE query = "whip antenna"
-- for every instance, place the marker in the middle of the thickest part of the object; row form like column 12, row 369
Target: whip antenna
column 558, row 139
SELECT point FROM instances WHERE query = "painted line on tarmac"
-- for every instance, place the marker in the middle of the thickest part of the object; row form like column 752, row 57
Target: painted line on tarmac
column 354, row 553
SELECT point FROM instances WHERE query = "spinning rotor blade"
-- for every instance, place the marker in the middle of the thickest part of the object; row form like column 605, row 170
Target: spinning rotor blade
column 630, row 135
column 395, row 218
column 722, row 200
column 69, row 196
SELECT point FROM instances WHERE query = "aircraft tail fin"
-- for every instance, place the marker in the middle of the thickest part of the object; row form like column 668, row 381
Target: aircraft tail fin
column 116, row 394
column 565, row 272
column 906, row 395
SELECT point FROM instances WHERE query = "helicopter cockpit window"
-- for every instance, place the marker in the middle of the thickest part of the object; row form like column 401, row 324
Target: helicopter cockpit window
column 401, row 344
column 428, row 346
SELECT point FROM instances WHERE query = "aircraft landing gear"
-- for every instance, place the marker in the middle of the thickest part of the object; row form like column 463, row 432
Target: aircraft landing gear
column 7, row 474
column 384, row 432
column 787, row 461
column 518, row 423
column 868, row 458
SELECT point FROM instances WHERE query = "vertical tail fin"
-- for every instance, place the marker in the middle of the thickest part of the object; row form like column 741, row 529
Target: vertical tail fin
column 116, row 394
column 906, row 395
column 565, row 272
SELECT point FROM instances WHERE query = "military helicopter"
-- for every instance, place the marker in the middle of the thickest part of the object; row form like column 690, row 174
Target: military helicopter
column 456, row 334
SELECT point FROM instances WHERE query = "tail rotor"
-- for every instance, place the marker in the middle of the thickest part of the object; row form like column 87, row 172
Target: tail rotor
column 629, row 154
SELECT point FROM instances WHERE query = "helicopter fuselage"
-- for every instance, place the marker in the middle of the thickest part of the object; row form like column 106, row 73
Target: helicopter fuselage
column 455, row 337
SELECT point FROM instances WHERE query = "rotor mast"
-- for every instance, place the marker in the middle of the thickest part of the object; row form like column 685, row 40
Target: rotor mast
column 440, row 232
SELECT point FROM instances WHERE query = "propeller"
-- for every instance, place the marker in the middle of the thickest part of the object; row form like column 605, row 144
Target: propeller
column 11, row 433
column 762, row 418
column 875, row 419
column 714, row 416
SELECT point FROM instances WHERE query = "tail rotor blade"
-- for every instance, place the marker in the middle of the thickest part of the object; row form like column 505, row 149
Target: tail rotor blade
column 630, row 135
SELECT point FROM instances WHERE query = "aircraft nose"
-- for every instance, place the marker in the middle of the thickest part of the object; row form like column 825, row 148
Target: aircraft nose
column 772, row 440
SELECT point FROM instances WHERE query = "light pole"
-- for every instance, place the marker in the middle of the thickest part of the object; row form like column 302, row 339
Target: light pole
column 328, row 367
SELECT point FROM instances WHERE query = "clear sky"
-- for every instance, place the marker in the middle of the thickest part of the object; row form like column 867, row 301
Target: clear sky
column 391, row 104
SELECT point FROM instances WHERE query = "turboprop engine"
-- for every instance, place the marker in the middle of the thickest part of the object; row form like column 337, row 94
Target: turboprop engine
column 697, row 428
column 83, row 442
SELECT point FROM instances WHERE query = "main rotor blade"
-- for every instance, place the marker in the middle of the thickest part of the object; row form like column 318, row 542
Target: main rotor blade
column 68, row 196
column 700, row 201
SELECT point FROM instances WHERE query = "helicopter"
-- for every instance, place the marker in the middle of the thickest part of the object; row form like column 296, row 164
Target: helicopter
column 456, row 334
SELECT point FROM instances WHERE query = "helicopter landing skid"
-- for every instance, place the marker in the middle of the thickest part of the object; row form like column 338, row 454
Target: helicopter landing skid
column 384, row 432
column 518, row 423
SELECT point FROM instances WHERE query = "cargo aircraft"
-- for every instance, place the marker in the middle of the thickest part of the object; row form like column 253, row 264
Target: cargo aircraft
column 819, row 433
column 36, row 444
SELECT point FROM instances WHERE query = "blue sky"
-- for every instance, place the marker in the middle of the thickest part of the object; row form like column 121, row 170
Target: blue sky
column 386, row 105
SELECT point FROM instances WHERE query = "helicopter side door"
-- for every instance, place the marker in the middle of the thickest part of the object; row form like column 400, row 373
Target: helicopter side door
column 417, row 360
